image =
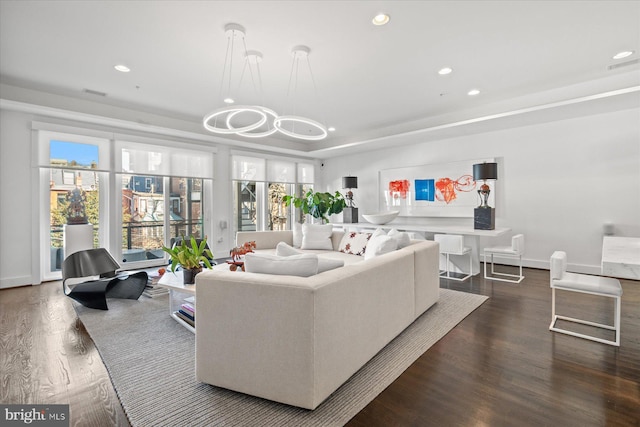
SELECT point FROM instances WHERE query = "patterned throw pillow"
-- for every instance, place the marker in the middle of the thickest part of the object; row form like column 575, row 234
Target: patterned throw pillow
column 354, row 243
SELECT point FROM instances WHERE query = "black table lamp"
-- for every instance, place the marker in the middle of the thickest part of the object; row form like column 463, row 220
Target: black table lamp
column 350, row 213
column 484, row 216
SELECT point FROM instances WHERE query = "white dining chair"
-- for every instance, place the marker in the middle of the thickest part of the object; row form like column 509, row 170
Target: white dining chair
column 453, row 244
column 516, row 250
column 587, row 284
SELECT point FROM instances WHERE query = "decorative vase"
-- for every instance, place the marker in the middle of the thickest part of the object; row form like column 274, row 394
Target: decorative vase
column 189, row 275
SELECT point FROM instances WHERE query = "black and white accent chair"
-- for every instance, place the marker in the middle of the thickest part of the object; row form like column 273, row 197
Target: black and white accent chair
column 93, row 293
column 516, row 250
column 453, row 244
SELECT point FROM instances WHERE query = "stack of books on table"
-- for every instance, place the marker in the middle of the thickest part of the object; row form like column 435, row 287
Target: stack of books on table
column 187, row 313
column 152, row 290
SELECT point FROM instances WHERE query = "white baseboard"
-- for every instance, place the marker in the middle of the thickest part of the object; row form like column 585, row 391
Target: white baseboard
column 544, row 265
column 12, row 282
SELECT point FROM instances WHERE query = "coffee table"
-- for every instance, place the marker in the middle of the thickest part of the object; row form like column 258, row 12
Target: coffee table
column 178, row 294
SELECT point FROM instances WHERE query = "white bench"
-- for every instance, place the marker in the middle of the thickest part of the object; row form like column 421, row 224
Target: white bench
column 593, row 285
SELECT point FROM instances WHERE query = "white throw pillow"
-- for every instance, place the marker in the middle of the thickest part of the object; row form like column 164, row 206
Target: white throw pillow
column 316, row 236
column 380, row 245
column 401, row 237
column 378, row 232
column 324, row 264
column 303, row 265
column 297, row 234
column 282, row 249
column 354, row 243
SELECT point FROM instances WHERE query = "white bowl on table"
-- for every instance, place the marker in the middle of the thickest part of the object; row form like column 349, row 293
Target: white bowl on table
column 381, row 217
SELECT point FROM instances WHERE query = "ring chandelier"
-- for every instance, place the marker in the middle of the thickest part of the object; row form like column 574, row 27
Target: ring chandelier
column 221, row 120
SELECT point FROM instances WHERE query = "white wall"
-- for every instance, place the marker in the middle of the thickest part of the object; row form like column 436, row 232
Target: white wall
column 559, row 182
column 15, row 192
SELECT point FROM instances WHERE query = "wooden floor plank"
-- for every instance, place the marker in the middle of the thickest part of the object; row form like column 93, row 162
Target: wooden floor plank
column 500, row 366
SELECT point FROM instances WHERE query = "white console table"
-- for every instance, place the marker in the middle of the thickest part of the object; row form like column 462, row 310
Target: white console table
column 471, row 235
column 621, row 257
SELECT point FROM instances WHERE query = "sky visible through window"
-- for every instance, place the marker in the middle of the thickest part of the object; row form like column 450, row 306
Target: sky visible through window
column 83, row 154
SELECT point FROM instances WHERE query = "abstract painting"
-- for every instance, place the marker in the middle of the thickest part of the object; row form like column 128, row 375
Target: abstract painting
column 446, row 190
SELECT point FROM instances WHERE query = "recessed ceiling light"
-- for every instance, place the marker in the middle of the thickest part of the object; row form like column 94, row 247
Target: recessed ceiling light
column 331, row 129
column 229, row 101
column 624, row 54
column 380, row 19
column 473, row 92
column 445, row 70
column 122, row 68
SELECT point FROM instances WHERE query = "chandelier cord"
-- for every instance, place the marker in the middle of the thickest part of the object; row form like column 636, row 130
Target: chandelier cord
column 295, row 91
column 287, row 100
column 269, row 127
column 315, row 89
column 224, row 70
column 233, row 37
column 247, row 63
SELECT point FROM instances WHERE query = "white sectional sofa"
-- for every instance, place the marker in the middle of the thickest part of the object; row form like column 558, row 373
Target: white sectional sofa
column 295, row 340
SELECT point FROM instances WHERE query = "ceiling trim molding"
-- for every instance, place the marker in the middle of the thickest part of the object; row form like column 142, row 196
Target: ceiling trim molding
column 122, row 124
column 497, row 116
column 119, row 125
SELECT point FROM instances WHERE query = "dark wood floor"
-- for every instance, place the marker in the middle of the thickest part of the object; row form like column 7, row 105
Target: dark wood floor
column 499, row 367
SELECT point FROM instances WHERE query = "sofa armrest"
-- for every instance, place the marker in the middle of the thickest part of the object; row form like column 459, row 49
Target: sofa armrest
column 426, row 273
column 265, row 239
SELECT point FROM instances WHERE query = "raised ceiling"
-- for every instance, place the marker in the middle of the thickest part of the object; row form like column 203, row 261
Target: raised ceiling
column 373, row 82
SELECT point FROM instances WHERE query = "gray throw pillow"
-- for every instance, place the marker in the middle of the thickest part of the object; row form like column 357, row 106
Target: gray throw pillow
column 303, row 265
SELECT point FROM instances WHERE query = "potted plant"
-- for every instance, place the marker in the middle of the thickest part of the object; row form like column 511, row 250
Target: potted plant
column 317, row 204
column 191, row 257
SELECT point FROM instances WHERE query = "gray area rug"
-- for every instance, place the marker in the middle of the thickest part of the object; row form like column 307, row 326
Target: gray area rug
column 151, row 360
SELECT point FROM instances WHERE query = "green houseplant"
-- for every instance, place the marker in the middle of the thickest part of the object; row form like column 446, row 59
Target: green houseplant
column 190, row 256
column 317, row 204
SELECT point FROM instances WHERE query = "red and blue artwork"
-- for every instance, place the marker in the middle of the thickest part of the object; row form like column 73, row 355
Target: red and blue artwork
column 443, row 189
column 425, row 189
column 448, row 188
column 399, row 188
column 434, row 190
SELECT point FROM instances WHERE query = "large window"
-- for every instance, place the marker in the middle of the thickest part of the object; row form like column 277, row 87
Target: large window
column 163, row 194
column 245, row 205
column 136, row 196
column 70, row 167
column 259, row 186
column 144, row 210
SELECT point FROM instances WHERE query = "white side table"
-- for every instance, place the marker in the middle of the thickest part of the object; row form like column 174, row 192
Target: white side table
column 178, row 294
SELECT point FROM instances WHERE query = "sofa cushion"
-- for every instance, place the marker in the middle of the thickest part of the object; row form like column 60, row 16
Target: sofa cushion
column 282, row 249
column 324, row 264
column 401, row 238
column 316, row 236
column 303, row 265
column 380, row 245
column 354, row 243
column 297, row 234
